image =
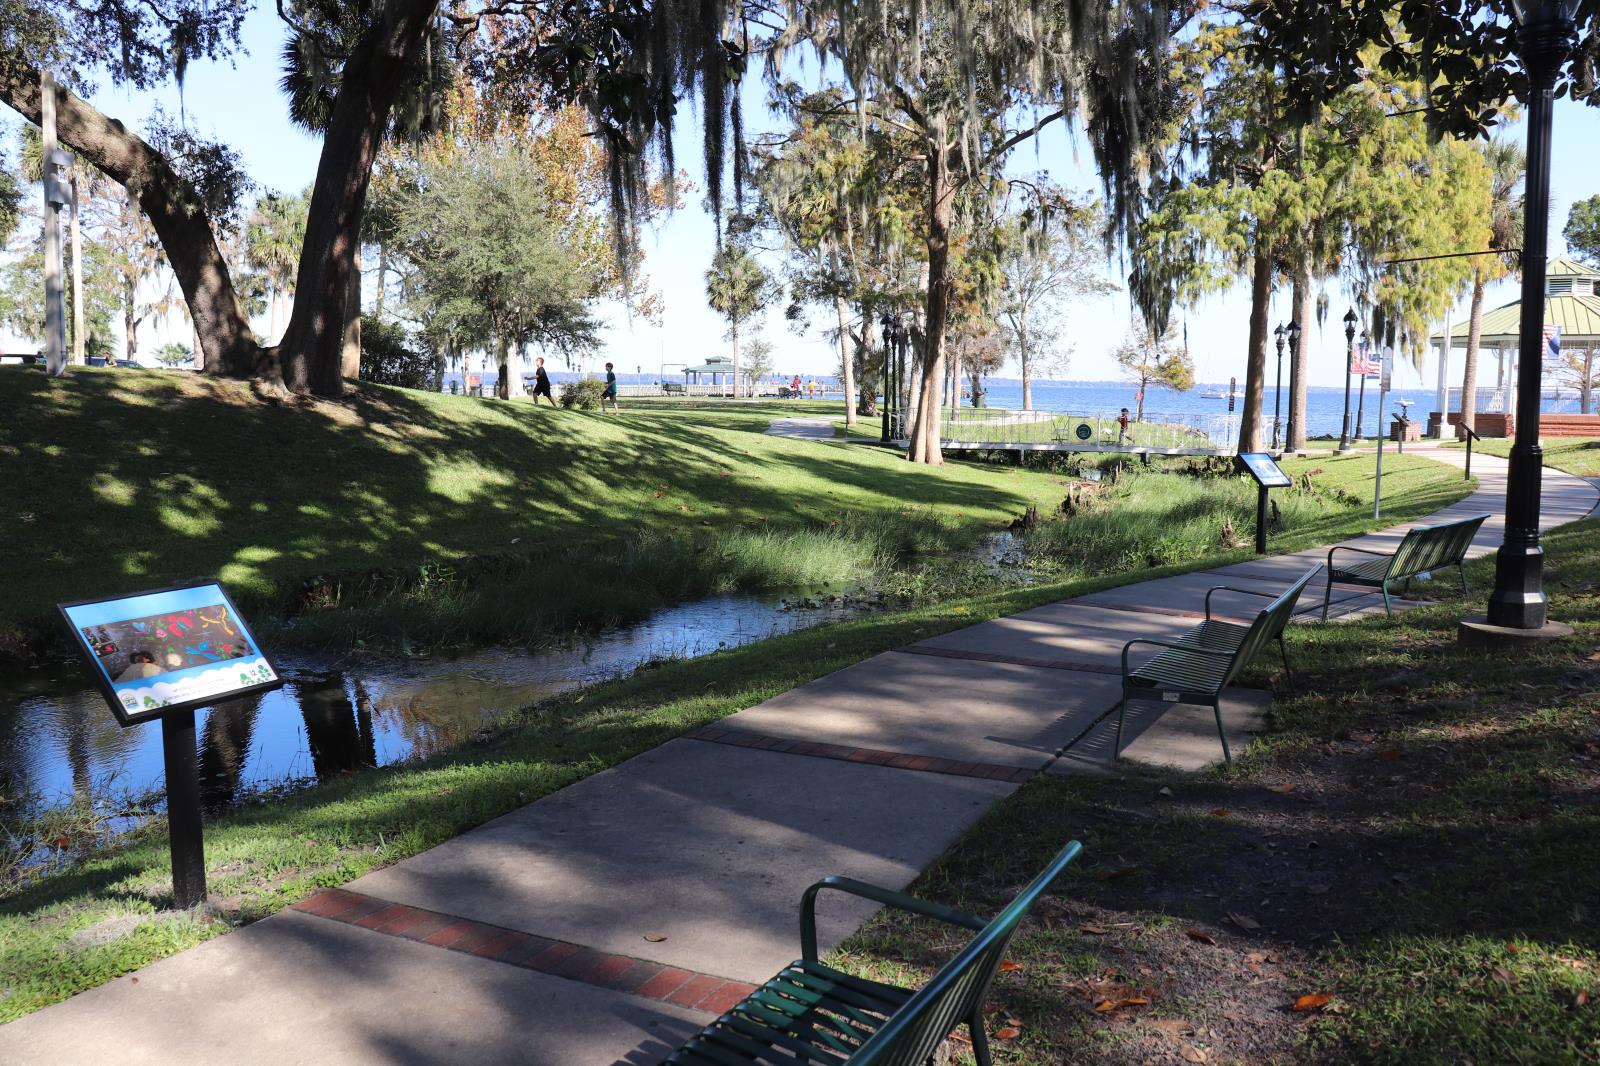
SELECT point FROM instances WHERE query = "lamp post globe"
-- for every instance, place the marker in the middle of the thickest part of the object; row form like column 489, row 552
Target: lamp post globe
column 1545, row 32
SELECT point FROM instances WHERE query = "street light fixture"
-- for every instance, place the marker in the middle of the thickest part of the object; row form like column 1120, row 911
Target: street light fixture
column 1349, row 364
column 1277, row 389
column 1545, row 31
column 1294, row 361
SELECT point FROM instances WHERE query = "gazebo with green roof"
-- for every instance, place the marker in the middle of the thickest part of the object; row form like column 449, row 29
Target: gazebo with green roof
column 1572, row 301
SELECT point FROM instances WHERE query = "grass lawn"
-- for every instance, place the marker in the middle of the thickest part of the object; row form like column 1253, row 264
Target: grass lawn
column 1413, row 839
column 1575, row 455
column 402, row 518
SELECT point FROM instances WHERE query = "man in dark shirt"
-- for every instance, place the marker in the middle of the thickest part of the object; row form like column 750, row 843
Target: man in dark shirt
column 610, row 392
column 541, row 382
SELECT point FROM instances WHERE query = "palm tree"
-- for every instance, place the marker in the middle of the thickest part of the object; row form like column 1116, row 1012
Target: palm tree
column 737, row 286
column 1506, row 163
column 273, row 236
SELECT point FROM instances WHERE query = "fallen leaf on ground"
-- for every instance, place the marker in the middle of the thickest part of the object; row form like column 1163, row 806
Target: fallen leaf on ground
column 1284, row 789
column 1202, row 936
column 654, row 938
column 1315, row 1001
column 1010, row 1032
column 1170, row 1026
column 1191, row 1053
column 1106, row 1006
column 1243, row 921
column 1219, row 812
column 1010, row 967
column 1503, row 975
column 1092, row 930
column 1164, row 791
column 1581, row 999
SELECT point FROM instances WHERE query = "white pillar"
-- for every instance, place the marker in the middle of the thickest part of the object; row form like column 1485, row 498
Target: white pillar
column 1443, row 396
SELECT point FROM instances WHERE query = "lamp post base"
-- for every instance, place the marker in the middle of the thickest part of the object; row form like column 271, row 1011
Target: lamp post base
column 1518, row 600
column 1477, row 633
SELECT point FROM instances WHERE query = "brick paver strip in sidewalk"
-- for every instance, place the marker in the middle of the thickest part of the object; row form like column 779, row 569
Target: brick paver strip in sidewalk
column 897, row 759
column 621, row 973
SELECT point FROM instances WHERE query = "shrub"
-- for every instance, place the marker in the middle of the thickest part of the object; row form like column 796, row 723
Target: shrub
column 583, row 394
column 388, row 359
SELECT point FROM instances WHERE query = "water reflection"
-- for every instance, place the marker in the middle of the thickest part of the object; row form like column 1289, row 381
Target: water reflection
column 336, row 716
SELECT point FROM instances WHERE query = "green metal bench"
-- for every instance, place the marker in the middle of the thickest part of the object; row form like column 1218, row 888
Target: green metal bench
column 1424, row 550
column 812, row 1013
column 1198, row 665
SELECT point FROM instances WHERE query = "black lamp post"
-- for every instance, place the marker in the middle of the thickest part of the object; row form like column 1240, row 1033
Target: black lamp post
column 1294, row 361
column 1277, row 389
column 1349, row 362
column 890, row 327
column 1545, row 29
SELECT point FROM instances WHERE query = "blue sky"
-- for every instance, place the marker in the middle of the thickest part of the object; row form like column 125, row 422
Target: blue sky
column 240, row 103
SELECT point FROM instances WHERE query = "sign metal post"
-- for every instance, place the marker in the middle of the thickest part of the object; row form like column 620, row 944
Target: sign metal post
column 1268, row 475
column 160, row 655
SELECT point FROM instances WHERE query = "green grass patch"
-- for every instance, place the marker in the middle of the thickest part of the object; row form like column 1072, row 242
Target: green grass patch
column 1575, row 455
column 1411, row 838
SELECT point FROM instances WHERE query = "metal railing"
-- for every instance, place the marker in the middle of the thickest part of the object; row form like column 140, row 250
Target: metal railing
column 1188, row 432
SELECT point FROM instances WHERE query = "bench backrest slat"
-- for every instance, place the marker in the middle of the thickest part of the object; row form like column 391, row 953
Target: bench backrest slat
column 1269, row 624
column 1427, row 548
column 918, row 1028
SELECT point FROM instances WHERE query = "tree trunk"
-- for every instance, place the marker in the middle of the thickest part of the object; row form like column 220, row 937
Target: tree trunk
column 1027, row 371
column 941, row 209
column 77, row 279
column 1300, row 361
column 175, row 212
column 350, row 346
column 1256, row 359
column 1469, row 373
column 735, row 332
column 312, row 347
column 383, row 278
column 502, row 354
column 846, row 357
column 130, row 325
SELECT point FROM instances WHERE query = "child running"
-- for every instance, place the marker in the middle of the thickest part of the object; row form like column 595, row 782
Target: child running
column 611, row 390
column 541, row 382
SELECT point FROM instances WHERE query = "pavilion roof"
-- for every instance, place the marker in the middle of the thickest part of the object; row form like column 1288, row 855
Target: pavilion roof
column 1577, row 314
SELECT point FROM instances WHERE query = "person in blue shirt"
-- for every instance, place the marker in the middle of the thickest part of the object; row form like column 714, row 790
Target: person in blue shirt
column 611, row 390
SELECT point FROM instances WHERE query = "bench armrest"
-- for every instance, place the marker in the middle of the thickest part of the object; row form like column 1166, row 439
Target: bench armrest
column 1169, row 644
column 1347, row 548
column 1230, row 588
column 887, row 897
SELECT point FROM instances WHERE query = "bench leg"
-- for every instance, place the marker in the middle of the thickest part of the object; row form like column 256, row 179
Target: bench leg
column 1122, row 711
column 1216, row 708
column 1327, row 597
column 1288, row 674
column 1461, row 568
column 1387, row 609
column 980, row 1039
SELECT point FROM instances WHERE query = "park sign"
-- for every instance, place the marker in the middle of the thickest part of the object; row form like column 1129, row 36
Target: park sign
column 1265, row 470
column 168, row 650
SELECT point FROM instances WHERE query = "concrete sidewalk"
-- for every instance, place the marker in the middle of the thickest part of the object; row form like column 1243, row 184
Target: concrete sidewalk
column 606, row 922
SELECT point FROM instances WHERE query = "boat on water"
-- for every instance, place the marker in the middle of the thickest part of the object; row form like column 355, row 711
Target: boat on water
column 1214, row 394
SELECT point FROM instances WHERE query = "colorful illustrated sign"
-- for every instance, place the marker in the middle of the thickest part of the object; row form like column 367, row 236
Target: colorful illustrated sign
column 168, row 650
column 1264, row 470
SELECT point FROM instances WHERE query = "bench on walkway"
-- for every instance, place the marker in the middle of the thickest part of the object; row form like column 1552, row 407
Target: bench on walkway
column 1200, row 663
column 1424, row 550
column 812, row 1013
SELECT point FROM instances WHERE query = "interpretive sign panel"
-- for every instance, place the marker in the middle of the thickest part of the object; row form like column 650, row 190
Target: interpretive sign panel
column 1266, row 471
column 168, row 650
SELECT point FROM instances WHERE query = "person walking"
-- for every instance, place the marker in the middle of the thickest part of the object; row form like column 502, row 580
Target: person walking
column 541, row 383
column 610, row 392
column 1122, row 426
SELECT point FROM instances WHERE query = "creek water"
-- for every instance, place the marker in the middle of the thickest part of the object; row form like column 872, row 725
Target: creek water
column 338, row 715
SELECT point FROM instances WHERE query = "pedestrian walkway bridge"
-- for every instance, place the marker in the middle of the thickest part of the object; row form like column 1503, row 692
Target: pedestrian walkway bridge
column 992, row 429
